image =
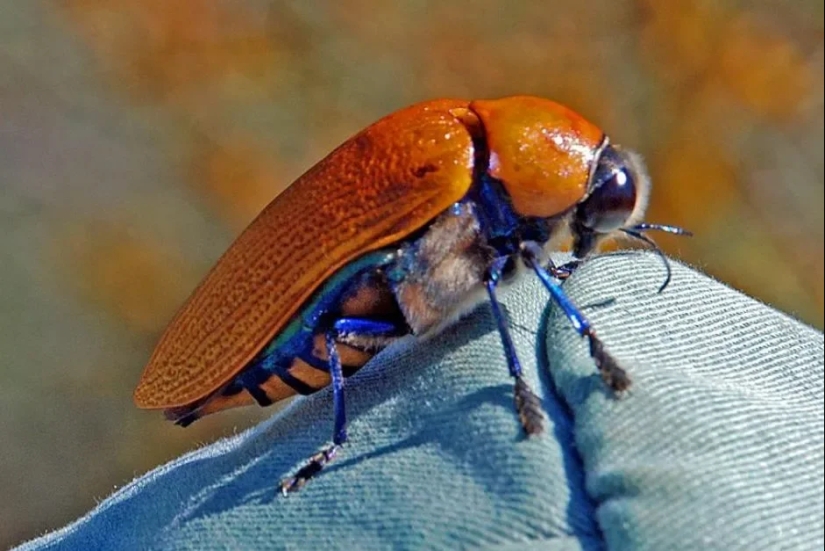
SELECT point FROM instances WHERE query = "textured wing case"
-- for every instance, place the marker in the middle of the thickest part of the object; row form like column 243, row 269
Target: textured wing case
column 377, row 188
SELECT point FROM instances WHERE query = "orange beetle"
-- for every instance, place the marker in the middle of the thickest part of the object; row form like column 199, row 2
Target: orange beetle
column 407, row 225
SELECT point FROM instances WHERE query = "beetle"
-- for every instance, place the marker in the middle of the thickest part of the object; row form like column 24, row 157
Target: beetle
column 399, row 231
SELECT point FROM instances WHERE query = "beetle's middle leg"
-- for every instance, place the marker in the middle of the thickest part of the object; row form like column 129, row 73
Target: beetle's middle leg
column 528, row 404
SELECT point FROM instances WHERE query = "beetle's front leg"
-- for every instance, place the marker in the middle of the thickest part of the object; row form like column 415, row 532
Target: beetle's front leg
column 528, row 404
column 613, row 375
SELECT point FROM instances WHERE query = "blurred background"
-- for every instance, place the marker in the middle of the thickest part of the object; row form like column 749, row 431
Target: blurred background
column 138, row 137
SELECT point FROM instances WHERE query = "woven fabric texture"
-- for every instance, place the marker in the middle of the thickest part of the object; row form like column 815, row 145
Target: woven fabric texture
column 718, row 444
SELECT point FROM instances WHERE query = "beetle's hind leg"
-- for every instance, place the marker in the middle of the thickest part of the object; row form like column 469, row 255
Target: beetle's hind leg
column 353, row 329
column 339, row 436
column 528, row 405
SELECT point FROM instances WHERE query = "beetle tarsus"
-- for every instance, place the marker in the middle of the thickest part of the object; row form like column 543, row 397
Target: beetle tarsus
column 614, row 376
column 528, row 406
column 314, row 466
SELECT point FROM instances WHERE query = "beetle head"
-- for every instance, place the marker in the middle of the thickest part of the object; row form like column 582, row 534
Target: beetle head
column 617, row 197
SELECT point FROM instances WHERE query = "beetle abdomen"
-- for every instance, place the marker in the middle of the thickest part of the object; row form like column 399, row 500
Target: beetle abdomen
column 295, row 362
column 299, row 378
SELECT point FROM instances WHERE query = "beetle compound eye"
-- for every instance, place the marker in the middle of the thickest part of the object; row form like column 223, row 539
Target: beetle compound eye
column 613, row 195
column 609, row 206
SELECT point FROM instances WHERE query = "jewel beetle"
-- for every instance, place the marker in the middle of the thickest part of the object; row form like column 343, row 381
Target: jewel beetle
column 399, row 231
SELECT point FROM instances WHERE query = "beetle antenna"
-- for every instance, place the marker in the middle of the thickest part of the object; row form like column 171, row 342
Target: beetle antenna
column 636, row 233
column 676, row 230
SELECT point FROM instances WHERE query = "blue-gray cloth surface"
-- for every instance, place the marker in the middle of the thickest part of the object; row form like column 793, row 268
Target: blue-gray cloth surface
column 717, row 445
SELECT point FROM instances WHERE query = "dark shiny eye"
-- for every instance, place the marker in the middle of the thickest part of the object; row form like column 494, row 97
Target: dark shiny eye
column 613, row 195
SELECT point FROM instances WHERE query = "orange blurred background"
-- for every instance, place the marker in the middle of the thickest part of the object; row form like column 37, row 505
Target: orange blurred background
column 137, row 137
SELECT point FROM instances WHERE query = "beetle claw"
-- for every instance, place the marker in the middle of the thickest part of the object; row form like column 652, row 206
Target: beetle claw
column 314, row 466
column 528, row 406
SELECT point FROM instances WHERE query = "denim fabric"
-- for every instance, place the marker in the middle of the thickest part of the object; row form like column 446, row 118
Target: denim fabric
column 718, row 444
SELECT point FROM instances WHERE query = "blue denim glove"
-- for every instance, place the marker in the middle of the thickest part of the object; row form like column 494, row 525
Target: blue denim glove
column 718, row 444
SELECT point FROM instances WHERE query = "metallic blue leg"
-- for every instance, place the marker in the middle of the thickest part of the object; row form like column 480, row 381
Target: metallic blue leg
column 339, row 436
column 528, row 405
column 362, row 327
column 614, row 376
column 365, row 327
